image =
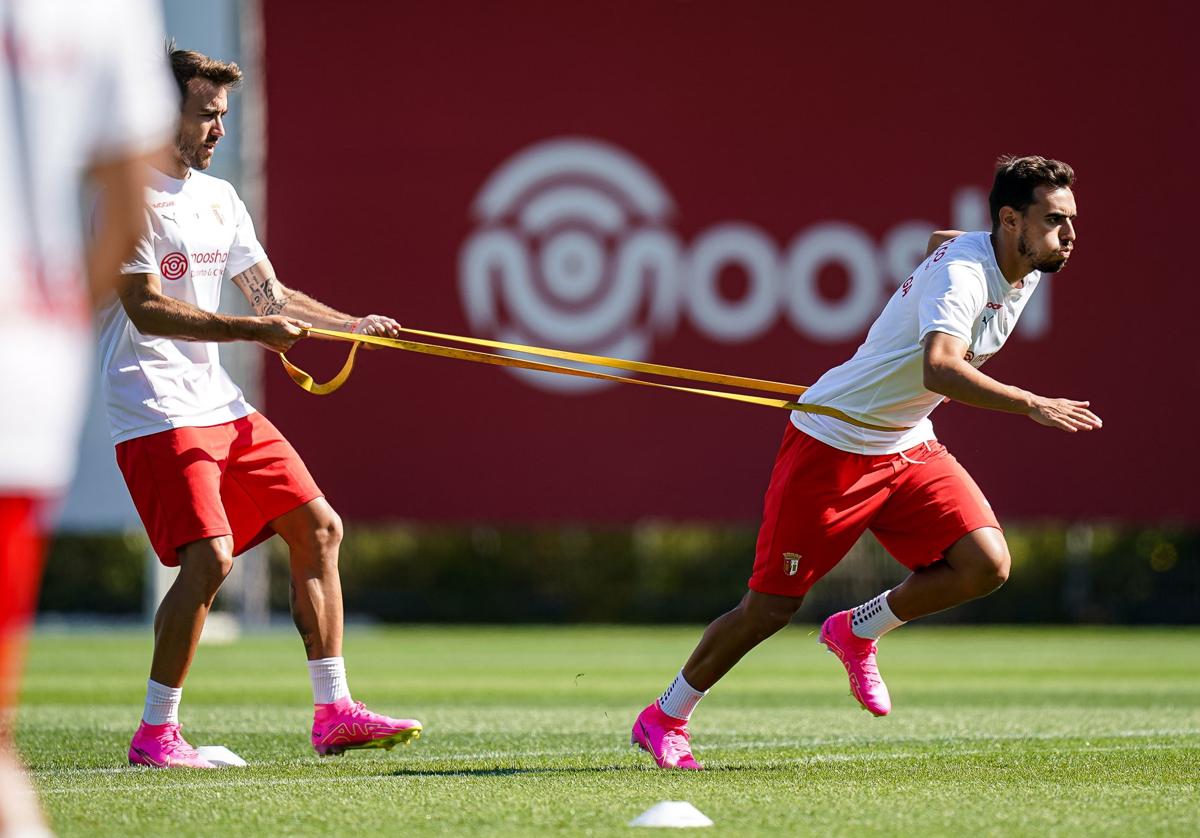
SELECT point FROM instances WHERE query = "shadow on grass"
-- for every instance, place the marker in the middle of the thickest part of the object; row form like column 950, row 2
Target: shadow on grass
column 600, row 769
column 503, row 772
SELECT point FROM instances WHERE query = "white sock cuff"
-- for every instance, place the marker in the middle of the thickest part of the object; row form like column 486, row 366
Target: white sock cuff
column 328, row 676
column 680, row 699
column 162, row 703
column 874, row 618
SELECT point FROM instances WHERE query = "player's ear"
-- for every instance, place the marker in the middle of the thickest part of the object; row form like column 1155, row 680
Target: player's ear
column 1009, row 218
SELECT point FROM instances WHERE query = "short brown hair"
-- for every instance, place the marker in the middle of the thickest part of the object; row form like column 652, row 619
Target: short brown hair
column 1018, row 177
column 188, row 64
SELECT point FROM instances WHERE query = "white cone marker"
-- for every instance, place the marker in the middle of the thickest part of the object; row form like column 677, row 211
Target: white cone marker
column 220, row 755
column 672, row 813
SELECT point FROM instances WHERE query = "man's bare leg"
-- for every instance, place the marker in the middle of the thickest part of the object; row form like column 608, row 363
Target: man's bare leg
column 313, row 533
column 977, row 564
column 729, row 637
column 203, row 566
column 974, row 566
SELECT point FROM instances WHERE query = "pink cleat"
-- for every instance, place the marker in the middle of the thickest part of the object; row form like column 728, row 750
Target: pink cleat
column 346, row 725
column 665, row 737
column 163, row 746
column 858, row 656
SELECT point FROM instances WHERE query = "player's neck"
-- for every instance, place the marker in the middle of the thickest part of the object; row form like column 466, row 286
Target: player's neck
column 171, row 164
column 1012, row 264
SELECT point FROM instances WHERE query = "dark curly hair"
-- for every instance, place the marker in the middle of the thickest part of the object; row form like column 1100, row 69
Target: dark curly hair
column 1018, row 177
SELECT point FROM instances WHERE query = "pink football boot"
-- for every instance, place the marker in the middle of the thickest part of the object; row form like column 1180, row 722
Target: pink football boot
column 163, row 746
column 665, row 737
column 346, row 724
column 857, row 654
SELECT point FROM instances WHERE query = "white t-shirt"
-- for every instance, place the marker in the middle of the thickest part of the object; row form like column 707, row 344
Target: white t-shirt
column 197, row 235
column 80, row 82
column 958, row 290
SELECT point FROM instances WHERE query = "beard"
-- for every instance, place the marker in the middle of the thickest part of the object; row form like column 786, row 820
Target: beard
column 1047, row 263
column 191, row 152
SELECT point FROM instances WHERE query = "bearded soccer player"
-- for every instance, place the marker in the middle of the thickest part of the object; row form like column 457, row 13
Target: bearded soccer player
column 833, row 480
column 209, row 475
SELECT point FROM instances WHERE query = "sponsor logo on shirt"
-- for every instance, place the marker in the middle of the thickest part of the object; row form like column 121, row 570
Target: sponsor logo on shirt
column 173, row 265
column 162, row 204
column 210, row 257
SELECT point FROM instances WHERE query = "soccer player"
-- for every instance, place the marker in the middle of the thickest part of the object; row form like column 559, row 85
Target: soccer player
column 833, row 480
column 209, row 475
column 82, row 100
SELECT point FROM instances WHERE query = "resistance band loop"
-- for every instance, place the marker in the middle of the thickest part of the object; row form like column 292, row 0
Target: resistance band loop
column 306, row 382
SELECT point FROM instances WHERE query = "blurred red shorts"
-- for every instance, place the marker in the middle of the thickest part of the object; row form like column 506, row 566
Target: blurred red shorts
column 20, row 572
column 918, row 503
column 229, row 479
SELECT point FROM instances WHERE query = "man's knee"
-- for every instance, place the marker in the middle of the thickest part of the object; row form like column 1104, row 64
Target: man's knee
column 768, row 613
column 320, row 540
column 983, row 558
column 327, row 534
column 208, row 561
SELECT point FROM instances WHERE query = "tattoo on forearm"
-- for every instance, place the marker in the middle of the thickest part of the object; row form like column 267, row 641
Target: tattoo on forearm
column 265, row 293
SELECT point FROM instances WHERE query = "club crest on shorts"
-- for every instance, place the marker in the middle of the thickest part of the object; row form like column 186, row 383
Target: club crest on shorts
column 791, row 563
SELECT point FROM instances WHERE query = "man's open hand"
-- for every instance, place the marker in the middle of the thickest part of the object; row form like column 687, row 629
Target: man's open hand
column 1064, row 414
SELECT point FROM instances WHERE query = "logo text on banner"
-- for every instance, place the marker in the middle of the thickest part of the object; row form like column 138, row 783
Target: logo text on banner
column 573, row 248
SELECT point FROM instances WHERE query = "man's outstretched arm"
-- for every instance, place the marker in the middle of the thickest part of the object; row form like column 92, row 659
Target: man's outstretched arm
column 947, row 373
column 154, row 313
column 268, row 296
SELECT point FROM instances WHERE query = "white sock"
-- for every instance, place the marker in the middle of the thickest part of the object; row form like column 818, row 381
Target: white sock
column 874, row 618
column 680, row 699
column 328, row 680
column 162, row 703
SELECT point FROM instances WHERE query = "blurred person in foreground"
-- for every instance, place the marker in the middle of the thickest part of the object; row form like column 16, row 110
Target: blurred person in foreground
column 833, row 480
column 209, row 475
column 83, row 102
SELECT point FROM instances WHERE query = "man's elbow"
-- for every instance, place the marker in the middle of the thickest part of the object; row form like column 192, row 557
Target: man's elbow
column 935, row 376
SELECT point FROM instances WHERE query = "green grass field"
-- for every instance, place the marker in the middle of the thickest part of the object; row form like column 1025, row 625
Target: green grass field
column 994, row 732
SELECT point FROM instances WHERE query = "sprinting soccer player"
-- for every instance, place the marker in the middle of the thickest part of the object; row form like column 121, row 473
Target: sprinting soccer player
column 209, row 475
column 833, row 480
column 82, row 99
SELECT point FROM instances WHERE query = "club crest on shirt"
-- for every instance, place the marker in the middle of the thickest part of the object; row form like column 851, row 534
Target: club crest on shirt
column 216, row 211
column 791, row 563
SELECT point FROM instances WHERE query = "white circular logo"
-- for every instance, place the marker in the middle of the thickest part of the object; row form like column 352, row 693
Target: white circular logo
column 572, row 251
column 173, row 265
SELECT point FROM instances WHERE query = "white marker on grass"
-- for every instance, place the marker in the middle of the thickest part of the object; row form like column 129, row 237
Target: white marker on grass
column 672, row 813
column 221, row 756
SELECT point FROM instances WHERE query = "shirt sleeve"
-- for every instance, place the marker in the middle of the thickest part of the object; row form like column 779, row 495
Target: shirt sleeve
column 245, row 252
column 952, row 300
column 142, row 260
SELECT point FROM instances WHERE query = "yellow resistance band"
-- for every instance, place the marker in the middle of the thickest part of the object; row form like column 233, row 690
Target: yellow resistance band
column 306, row 382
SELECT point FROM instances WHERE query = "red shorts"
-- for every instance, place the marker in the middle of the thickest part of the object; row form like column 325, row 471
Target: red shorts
column 230, row 479
column 820, row 500
column 20, row 574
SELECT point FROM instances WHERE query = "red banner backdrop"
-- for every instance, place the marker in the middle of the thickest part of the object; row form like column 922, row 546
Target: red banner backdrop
column 727, row 186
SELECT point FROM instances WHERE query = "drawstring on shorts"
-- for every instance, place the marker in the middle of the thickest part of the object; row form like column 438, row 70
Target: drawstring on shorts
column 915, row 462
